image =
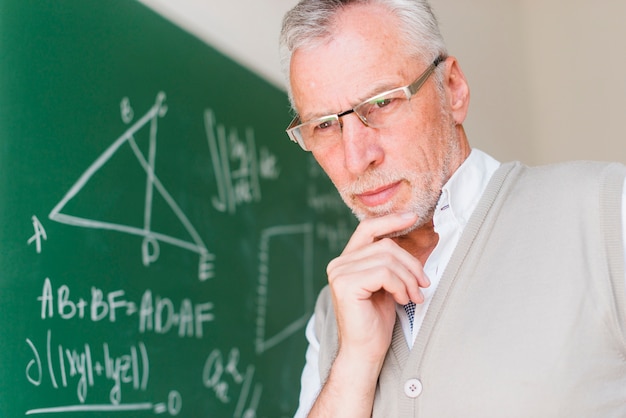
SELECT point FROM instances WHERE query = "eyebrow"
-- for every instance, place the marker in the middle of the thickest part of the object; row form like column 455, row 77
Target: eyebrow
column 375, row 90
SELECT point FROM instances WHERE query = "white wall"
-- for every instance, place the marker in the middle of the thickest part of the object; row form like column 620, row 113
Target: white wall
column 547, row 77
column 482, row 34
column 246, row 30
column 577, row 71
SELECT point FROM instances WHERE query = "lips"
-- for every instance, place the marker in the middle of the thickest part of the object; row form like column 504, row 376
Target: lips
column 378, row 196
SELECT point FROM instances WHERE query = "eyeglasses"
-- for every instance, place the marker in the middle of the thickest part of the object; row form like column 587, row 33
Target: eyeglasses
column 380, row 111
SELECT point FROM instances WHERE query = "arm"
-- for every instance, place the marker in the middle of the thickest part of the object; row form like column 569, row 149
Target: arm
column 366, row 282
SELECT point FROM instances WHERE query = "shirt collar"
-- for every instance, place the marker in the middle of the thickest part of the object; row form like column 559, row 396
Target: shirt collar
column 461, row 193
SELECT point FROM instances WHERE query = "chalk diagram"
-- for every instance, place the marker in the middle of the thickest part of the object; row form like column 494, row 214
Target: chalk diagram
column 150, row 247
column 267, row 338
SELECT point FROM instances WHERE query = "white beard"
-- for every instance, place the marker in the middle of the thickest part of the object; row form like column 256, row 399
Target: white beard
column 425, row 188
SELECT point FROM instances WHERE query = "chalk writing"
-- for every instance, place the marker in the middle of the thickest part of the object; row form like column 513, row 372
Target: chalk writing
column 159, row 315
column 173, row 407
column 154, row 313
column 40, row 233
column 85, row 367
column 318, row 196
column 237, row 167
column 126, row 111
column 106, row 376
column 151, row 239
column 324, row 201
column 222, row 376
column 335, row 235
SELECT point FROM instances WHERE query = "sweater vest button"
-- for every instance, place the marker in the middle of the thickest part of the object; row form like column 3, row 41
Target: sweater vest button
column 413, row 388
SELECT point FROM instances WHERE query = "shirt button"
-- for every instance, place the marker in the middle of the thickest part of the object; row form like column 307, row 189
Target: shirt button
column 413, row 388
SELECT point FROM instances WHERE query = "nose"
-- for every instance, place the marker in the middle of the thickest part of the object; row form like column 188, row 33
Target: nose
column 362, row 149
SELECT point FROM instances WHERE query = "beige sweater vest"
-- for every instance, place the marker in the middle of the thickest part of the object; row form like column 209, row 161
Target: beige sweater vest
column 529, row 319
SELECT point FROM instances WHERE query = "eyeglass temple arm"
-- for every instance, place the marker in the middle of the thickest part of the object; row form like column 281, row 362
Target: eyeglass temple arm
column 413, row 88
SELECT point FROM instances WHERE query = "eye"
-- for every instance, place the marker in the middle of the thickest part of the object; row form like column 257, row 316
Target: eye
column 380, row 103
column 324, row 125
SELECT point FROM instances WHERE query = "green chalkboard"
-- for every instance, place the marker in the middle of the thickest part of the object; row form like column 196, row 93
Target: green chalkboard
column 161, row 240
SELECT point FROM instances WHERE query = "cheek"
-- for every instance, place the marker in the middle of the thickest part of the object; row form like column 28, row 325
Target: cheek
column 331, row 161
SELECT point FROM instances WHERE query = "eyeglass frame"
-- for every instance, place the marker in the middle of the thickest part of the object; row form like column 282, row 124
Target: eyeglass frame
column 409, row 90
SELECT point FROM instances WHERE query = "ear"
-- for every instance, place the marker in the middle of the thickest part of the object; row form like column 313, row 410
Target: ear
column 457, row 90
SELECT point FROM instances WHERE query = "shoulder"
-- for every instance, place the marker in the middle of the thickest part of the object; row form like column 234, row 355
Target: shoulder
column 574, row 170
column 566, row 178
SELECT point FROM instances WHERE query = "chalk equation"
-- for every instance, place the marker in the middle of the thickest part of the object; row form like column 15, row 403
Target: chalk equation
column 89, row 366
column 237, row 164
column 64, row 366
column 223, row 376
column 154, row 313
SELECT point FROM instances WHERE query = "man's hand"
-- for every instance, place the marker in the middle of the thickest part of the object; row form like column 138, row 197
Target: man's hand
column 366, row 281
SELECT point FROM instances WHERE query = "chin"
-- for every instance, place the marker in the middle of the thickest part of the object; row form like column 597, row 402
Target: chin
column 363, row 212
column 362, row 215
column 403, row 232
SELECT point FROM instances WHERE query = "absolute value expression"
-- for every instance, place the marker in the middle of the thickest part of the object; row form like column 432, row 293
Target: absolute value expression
column 154, row 313
column 94, row 365
column 85, row 366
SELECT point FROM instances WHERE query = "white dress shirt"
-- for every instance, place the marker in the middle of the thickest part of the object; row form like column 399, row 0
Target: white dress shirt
column 458, row 200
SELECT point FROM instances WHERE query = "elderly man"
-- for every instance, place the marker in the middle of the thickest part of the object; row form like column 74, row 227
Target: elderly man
column 470, row 288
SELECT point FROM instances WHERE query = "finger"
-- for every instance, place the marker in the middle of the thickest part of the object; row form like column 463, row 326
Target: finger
column 384, row 252
column 394, row 278
column 373, row 279
column 371, row 229
column 385, row 258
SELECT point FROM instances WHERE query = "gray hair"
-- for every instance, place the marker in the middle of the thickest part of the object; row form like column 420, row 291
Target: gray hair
column 310, row 23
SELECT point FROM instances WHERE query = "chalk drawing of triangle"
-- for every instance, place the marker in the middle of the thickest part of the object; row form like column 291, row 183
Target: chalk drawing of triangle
column 155, row 186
